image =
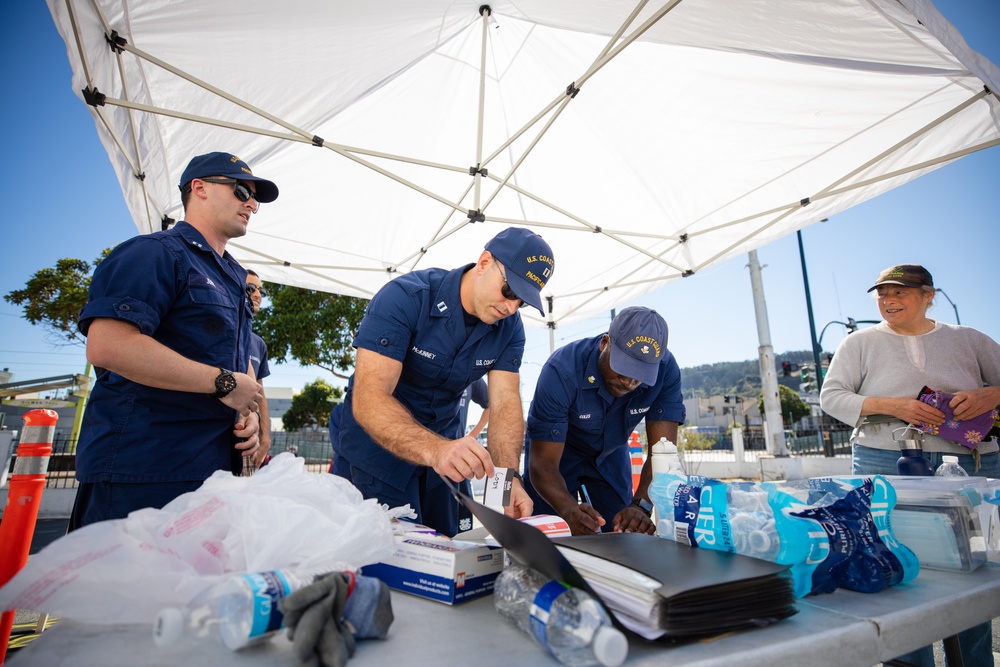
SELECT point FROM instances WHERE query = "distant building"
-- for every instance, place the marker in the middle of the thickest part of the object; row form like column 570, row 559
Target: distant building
column 717, row 414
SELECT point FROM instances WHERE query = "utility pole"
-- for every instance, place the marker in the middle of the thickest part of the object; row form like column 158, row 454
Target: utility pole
column 768, row 373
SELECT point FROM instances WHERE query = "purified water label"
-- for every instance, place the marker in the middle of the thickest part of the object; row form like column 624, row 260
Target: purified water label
column 268, row 588
column 542, row 605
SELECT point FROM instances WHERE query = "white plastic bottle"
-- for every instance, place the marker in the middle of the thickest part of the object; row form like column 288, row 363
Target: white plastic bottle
column 567, row 621
column 665, row 458
column 242, row 608
column 950, row 468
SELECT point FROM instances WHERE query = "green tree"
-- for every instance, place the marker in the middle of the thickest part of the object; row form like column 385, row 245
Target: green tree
column 311, row 407
column 54, row 297
column 793, row 408
column 313, row 328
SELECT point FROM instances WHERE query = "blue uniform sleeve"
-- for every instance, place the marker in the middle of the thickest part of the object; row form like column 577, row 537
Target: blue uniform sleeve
column 265, row 370
column 135, row 283
column 669, row 403
column 548, row 416
column 510, row 357
column 389, row 322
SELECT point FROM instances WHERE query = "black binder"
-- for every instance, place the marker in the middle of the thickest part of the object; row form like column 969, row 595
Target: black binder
column 683, row 592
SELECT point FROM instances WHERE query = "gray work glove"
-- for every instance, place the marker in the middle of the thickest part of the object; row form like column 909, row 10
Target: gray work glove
column 312, row 616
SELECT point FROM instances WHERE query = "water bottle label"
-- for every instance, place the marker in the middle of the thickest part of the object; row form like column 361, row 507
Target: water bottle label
column 687, row 501
column 267, row 588
column 541, row 606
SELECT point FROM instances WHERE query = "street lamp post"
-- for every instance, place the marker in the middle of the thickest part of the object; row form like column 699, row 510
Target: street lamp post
column 809, row 309
column 941, row 291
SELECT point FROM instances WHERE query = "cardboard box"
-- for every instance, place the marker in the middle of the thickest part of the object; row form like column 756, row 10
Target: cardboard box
column 439, row 568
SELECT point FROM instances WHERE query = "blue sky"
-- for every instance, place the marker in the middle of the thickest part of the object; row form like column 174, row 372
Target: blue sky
column 61, row 199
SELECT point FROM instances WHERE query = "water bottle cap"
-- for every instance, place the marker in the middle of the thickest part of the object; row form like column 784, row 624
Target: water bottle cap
column 664, row 446
column 949, row 459
column 610, row 646
column 760, row 541
column 168, row 627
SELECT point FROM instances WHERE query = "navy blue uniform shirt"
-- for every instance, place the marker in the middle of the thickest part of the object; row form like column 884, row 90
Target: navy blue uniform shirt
column 478, row 392
column 572, row 405
column 258, row 357
column 417, row 319
column 175, row 288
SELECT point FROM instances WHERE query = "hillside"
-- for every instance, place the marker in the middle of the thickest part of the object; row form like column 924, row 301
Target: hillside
column 737, row 378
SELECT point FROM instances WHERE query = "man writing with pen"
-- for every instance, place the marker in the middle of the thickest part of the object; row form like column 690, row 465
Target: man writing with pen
column 590, row 395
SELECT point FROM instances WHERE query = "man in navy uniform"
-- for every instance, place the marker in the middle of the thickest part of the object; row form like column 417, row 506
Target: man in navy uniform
column 168, row 322
column 261, row 369
column 591, row 394
column 424, row 338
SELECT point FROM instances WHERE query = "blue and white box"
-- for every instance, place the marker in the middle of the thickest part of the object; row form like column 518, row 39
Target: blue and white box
column 439, row 568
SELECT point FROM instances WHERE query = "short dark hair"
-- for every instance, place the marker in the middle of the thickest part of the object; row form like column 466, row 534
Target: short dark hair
column 253, row 273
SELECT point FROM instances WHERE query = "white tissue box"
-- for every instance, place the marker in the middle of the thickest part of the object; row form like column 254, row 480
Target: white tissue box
column 439, row 568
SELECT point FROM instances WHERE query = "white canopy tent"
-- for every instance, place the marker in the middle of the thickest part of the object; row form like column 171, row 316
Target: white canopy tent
column 644, row 141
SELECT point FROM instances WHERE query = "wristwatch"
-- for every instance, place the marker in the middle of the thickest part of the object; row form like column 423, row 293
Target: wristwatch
column 644, row 505
column 224, row 384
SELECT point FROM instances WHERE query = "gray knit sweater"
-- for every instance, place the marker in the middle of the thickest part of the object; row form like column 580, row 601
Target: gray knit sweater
column 879, row 362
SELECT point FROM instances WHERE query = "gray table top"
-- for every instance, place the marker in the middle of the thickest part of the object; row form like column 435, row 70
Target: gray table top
column 843, row 628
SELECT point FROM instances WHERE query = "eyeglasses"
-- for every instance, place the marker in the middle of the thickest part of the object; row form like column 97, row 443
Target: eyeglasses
column 506, row 291
column 251, row 288
column 242, row 192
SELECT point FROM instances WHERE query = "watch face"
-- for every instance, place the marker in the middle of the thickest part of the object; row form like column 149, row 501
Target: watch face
column 225, row 382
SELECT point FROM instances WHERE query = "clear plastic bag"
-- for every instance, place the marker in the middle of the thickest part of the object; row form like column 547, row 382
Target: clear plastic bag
column 126, row 570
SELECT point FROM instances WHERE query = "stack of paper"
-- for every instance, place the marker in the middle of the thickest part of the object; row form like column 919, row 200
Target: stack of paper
column 657, row 587
column 653, row 587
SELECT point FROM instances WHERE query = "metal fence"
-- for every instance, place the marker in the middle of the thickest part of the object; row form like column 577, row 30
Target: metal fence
column 314, row 447
column 804, row 444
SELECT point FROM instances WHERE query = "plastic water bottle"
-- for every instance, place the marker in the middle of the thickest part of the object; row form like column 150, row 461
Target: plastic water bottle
column 573, row 626
column 754, row 534
column 666, row 458
column 751, row 524
column 243, row 609
column 950, row 468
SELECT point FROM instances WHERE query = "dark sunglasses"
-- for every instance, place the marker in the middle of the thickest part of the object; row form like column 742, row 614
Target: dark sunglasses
column 251, row 288
column 242, row 192
column 506, row 291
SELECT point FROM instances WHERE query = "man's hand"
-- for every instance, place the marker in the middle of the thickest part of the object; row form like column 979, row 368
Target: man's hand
column 521, row 504
column 247, row 396
column 263, row 448
column 248, row 428
column 584, row 520
column 463, row 459
column 633, row 519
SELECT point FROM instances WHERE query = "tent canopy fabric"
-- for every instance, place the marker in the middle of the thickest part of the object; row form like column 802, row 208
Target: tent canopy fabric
column 644, row 141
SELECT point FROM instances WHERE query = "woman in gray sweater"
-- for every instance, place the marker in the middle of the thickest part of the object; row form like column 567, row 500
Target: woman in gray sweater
column 873, row 383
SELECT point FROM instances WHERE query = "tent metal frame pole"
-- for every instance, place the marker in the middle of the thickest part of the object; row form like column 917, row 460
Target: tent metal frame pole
column 615, row 45
column 485, row 12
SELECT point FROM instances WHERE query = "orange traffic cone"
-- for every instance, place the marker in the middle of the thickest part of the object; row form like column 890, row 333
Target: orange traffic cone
column 635, row 450
column 24, row 496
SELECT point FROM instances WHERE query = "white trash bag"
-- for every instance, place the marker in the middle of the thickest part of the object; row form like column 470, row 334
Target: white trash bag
column 127, row 570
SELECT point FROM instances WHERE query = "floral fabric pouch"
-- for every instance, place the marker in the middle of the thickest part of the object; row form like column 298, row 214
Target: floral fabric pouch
column 967, row 433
